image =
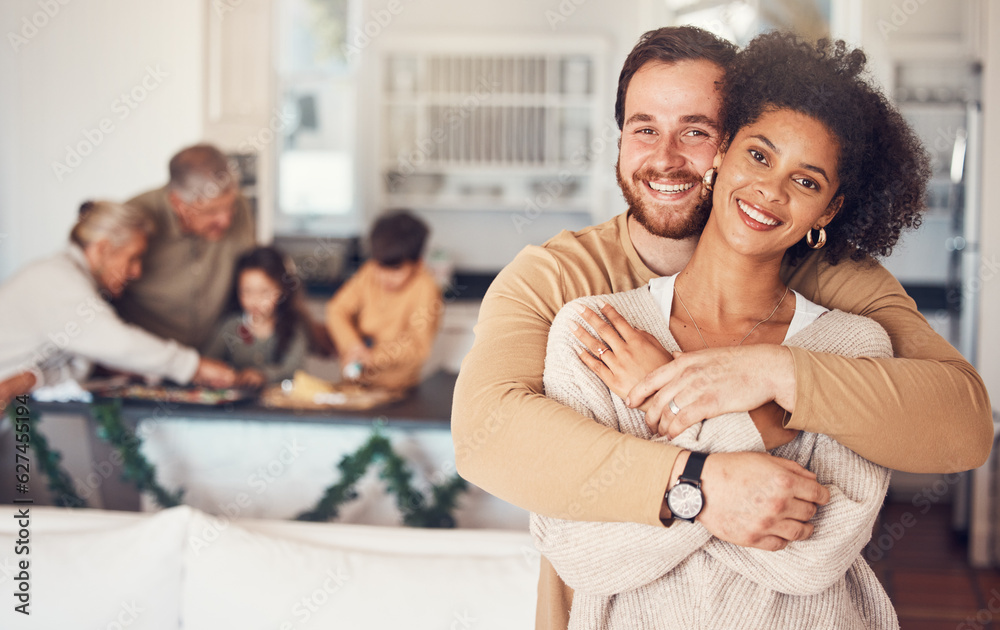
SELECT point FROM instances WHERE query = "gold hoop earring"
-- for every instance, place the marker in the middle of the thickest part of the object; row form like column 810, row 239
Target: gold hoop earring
column 709, row 179
column 820, row 240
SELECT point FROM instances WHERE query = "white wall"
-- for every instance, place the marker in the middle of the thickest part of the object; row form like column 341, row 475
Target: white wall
column 62, row 81
column 989, row 334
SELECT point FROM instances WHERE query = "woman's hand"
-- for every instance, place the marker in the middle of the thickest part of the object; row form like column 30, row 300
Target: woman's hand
column 250, row 378
column 711, row 382
column 212, row 373
column 770, row 422
column 622, row 356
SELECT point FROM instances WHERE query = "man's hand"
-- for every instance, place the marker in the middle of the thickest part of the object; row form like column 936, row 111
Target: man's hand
column 707, row 383
column 212, row 373
column 756, row 500
column 622, row 356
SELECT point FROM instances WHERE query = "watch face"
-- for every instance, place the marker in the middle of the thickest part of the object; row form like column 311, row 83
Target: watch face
column 685, row 501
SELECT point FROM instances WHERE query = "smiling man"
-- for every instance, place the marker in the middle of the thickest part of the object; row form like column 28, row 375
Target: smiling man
column 201, row 227
column 668, row 141
column 669, row 137
column 535, row 453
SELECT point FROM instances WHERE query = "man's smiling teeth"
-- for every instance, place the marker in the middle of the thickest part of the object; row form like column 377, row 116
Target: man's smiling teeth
column 756, row 216
column 670, row 189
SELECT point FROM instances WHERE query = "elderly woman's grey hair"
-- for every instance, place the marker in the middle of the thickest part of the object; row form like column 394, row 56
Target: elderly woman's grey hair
column 117, row 223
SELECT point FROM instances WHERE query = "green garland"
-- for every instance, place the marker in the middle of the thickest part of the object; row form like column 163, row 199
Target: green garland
column 416, row 510
column 59, row 482
column 135, row 467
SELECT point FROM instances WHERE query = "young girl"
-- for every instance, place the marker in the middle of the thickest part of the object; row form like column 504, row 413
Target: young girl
column 265, row 338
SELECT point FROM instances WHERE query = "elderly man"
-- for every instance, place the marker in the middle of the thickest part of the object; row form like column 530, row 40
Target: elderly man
column 57, row 322
column 201, row 226
column 926, row 411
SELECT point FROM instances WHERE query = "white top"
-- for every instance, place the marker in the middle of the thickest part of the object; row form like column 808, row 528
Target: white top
column 806, row 312
column 55, row 324
column 628, row 575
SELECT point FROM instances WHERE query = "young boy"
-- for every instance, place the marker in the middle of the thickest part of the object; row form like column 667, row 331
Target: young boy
column 384, row 319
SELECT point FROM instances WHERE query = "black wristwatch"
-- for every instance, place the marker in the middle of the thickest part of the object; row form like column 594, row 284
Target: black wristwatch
column 686, row 500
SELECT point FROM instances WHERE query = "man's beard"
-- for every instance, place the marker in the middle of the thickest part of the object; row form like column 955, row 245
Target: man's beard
column 675, row 223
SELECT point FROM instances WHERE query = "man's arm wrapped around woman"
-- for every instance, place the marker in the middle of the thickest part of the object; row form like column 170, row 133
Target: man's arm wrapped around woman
column 857, row 486
column 608, row 558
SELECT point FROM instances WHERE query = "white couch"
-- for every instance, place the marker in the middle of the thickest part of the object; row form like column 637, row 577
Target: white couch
column 180, row 568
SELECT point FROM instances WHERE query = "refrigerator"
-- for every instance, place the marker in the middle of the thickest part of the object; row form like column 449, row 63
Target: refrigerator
column 939, row 264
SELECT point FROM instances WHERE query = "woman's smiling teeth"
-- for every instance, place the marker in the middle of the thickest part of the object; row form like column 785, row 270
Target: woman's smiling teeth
column 670, row 188
column 755, row 215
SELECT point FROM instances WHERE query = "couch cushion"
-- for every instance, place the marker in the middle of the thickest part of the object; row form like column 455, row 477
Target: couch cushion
column 90, row 569
column 285, row 576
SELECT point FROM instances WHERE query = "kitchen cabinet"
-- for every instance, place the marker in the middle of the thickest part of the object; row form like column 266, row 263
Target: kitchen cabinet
column 930, row 29
column 491, row 124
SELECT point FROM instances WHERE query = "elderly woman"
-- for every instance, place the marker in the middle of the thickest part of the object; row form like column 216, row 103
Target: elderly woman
column 57, row 322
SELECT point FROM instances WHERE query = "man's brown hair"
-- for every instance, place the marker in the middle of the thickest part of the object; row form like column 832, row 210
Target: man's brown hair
column 671, row 44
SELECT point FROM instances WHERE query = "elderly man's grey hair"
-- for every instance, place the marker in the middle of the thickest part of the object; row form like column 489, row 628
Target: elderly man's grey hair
column 201, row 171
column 117, row 223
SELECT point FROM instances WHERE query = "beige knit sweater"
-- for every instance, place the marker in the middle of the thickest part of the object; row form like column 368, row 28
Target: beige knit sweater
column 628, row 575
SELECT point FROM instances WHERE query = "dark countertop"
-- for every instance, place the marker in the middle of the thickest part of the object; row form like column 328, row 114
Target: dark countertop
column 429, row 406
column 464, row 285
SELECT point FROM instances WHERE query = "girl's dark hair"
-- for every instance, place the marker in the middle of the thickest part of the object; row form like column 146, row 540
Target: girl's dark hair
column 288, row 312
column 670, row 44
column 883, row 168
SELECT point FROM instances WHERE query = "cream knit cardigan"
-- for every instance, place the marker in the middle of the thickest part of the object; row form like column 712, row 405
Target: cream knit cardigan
column 629, row 576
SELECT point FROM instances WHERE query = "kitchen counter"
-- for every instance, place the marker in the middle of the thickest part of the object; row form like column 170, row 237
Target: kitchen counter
column 273, row 463
column 191, row 445
column 469, row 285
column 429, row 406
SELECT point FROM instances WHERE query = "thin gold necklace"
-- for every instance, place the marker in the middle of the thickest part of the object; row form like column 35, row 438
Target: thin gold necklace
column 684, row 306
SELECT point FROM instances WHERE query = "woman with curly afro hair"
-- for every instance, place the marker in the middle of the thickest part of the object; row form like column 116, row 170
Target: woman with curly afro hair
column 812, row 157
column 882, row 167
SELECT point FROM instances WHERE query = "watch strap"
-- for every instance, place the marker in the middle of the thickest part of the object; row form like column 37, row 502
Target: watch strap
column 692, row 470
